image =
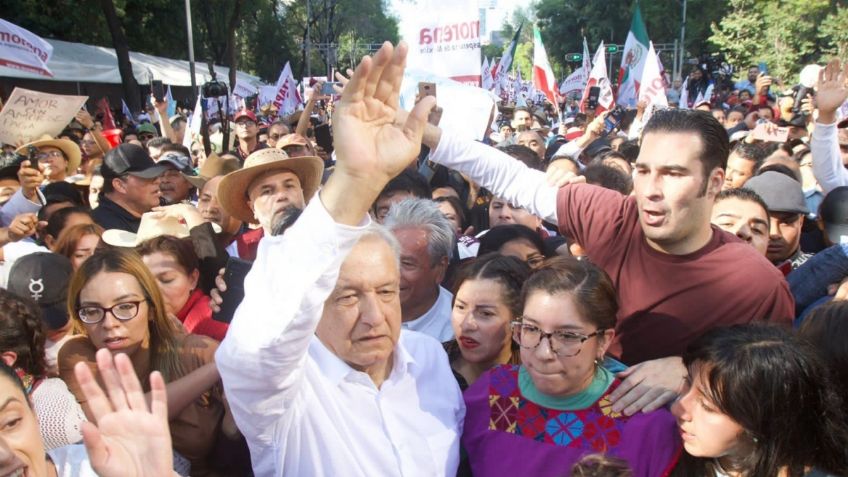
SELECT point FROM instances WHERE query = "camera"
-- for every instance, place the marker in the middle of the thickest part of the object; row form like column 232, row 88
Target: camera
column 214, row 89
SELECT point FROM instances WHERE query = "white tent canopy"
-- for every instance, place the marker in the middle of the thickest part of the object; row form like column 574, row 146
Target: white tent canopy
column 77, row 62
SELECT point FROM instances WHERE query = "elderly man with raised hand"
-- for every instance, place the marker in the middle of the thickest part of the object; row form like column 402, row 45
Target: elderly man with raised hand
column 319, row 375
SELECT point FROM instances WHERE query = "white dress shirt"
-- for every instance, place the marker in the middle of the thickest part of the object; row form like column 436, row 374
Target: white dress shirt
column 500, row 173
column 827, row 159
column 436, row 322
column 304, row 411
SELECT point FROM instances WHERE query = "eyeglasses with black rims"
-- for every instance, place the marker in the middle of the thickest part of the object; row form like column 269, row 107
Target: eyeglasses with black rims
column 563, row 343
column 43, row 156
column 124, row 311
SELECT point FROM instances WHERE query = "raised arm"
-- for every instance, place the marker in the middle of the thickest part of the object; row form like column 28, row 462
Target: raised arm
column 503, row 175
column 262, row 358
column 824, row 145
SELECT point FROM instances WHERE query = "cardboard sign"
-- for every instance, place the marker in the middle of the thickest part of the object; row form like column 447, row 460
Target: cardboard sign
column 28, row 115
column 770, row 134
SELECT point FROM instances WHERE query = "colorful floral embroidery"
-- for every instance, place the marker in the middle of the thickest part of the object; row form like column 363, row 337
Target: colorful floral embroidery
column 596, row 428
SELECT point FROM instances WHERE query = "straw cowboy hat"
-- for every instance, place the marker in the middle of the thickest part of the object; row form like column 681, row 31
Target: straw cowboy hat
column 214, row 166
column 153, row 224
column 68, row 147
column 232, row 191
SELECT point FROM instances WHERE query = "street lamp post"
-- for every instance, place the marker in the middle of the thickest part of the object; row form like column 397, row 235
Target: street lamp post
column 682, row 39
column 190, row 51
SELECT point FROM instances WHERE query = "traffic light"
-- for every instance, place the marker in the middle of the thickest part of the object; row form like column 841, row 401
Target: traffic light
column 612, row 48
column 577, row 57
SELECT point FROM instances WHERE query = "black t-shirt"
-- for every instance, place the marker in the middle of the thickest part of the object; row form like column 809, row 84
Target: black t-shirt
column 110, row 215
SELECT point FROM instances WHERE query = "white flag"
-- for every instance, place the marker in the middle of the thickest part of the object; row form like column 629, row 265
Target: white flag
column 23, row 50
column 193, row 126
column 652, row 89
column 598, row 77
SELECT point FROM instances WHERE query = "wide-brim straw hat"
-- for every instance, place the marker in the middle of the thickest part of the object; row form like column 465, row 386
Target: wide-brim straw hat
column 152, row 225
column 214, row 166
column 232, row 191
column 68, row 147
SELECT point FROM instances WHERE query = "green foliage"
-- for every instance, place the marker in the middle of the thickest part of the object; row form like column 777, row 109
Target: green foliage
column 785, row 34
column 833, row 32
column 564, row 23
column 268, row 32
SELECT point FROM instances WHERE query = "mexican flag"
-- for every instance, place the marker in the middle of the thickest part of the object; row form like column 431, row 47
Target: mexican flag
column 633, row 60
column 505, row 63
column 543, row 75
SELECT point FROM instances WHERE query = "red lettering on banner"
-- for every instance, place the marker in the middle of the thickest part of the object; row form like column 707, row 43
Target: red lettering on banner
column 448, row 33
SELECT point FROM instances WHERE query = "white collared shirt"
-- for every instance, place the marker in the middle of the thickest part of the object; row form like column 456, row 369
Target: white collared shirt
column 436, row 322
column 302, row 409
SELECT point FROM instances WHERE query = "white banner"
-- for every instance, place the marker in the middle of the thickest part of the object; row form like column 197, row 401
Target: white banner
column 574, row 84
column 23, row 50
column 444, row 38
column 467, row 110
column 28, row 115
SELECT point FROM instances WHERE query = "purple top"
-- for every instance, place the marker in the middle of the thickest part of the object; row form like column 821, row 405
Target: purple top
column 507, row 434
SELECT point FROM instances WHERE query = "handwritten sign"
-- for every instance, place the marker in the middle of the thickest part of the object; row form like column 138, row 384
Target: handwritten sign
column 28, row 115
column 770, row 133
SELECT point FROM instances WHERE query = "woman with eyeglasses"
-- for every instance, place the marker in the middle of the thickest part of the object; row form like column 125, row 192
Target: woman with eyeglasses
column 118, row 306
column 540, row 417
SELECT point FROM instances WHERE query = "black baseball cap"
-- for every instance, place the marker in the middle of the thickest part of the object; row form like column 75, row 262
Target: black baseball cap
column 43, row 277
column 130, row 159
column 833, row 211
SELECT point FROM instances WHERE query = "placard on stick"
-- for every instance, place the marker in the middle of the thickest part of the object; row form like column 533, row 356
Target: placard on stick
column 28, row 115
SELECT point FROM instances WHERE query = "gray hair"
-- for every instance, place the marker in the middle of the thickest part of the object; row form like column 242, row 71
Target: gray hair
column 424, row 214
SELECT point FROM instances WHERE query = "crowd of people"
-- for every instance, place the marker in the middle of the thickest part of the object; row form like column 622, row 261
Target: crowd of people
column 659, row 293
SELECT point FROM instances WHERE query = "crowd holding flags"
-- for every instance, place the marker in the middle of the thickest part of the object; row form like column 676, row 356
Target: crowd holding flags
column 641, row 76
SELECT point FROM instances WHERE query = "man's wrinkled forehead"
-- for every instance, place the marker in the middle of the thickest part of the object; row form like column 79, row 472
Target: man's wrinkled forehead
column 271, row 177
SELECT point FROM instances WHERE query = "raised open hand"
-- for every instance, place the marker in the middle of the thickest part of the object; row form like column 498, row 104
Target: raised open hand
column 129, row 439
column 368, row 143
column 832, row 90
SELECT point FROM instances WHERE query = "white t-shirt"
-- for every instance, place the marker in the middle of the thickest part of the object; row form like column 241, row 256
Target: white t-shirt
column 71, row 461
column 436, row 322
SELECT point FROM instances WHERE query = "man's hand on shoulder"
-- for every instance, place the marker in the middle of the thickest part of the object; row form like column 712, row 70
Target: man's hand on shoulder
column 648, row 386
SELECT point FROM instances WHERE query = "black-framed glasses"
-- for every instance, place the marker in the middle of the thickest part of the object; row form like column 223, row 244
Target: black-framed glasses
column 43, row 156
column 562, row 343
column 93, row 314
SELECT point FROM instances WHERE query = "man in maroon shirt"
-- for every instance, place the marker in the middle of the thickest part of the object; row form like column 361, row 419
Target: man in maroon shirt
column 677, row 276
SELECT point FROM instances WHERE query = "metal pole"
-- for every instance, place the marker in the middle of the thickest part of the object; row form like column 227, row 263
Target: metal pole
column 191, row 52
column 674, row 72
column 682, row 39
column 308, row 45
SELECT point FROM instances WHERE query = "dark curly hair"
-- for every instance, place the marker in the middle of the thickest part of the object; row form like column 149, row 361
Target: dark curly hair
column 21, row 332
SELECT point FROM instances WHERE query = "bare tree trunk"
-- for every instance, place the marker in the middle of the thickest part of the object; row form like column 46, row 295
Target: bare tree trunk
column 119, row 40
column 231, row 56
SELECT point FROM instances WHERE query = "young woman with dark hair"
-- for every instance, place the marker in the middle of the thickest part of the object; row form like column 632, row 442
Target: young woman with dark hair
column 760, row 403
column 541, row 417
column 174, row 264
column 487, row 299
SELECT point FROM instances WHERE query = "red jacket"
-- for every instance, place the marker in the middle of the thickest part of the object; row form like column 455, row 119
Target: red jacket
column 196, row 317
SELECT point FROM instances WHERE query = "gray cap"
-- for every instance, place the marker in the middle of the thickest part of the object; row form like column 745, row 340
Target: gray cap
column 780, row 192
